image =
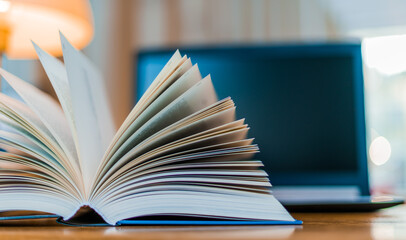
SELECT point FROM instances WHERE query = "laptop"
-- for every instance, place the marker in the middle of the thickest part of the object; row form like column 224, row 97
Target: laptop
column 305, row 106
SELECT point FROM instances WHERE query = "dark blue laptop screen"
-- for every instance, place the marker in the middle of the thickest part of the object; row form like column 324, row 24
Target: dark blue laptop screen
column 300, row 102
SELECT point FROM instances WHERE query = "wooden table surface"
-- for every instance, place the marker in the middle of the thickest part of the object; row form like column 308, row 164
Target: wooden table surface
column 384, row 224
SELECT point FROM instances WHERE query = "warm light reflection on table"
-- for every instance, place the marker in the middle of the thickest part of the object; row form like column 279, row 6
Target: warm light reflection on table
column 384, row 224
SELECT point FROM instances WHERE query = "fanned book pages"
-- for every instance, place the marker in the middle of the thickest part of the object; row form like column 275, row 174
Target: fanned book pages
column 180, row 157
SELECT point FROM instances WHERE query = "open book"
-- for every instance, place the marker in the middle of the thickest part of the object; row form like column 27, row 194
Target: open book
column 179, row 153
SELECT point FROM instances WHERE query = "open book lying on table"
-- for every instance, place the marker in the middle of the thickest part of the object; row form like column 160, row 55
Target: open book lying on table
column 180, row 157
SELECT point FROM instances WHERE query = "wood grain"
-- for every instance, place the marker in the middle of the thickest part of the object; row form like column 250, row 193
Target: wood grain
column 384, row 224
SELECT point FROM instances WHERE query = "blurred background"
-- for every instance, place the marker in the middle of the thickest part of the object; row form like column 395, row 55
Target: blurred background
column 123, row 27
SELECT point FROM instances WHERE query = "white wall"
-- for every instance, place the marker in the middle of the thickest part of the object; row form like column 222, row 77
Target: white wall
column 124, row 26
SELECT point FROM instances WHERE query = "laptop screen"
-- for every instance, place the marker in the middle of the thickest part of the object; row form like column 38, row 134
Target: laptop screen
column 303, row 103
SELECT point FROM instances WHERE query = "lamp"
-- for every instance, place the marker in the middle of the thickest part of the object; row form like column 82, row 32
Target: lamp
column 40, row 21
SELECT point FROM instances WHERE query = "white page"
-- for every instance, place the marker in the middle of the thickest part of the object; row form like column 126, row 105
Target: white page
column 35, row 192
column 181, row 85
column 125, row 175
column 57, row 75
column 21, row 112
column 182, row 79
column 26, row 145
column 229, row 132
column 37, row 158
column 219, row 119
column 48, row 110
column 208, row 123
column 254, row 178
column 92, row 113
column 229, row 206
column 22, row 119
column 16, row 128
column 184, row 76
column 170, row 66
column 201, row 95
column 182, row 128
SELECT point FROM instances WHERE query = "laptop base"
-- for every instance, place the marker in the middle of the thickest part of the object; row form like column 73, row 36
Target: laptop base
column 359, row 204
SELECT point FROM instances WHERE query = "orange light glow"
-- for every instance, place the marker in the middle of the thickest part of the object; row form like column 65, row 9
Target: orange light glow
column 41, row 21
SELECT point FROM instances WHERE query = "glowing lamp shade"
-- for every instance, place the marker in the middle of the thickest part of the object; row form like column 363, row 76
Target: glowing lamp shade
column 41, row 21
